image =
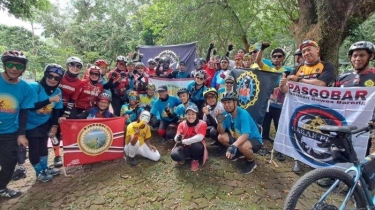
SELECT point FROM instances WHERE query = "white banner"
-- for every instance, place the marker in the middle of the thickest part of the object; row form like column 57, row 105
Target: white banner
column 306, row 107
column 172, row 84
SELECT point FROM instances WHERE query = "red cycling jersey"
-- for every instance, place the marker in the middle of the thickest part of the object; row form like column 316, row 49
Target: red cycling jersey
column 120, row 89
column 68, row 86
column 86, row 94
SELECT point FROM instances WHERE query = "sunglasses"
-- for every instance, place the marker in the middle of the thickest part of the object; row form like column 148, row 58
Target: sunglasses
column 253, row 52
column 56, row 78
column 201, row 78
column 19, row 67
column 77, row 65
column 277, row 56
column 94, row 74
column 152, row 63
column 230, row 83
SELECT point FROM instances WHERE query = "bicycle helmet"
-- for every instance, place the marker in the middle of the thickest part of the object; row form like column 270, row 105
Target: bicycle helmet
column 362, row 45
column 101, row 62
column 104, row 97
column 298, row 52
column 74, row 59
column 55, row 68
column 229, row 96
column 138, row 64
column 201, row 73
column 203, row 61
column 133, row 95
column 278, row 50
column 94, row 69
column 228, row 77
column 197, row 62
column 15, row 56
column 151, row 61
column 129, row 62
column 210, row 90
column 150, row 86
column 121, row 58
column 224, row 58
column 182, row 63
column 192, row 107
column 181, row 91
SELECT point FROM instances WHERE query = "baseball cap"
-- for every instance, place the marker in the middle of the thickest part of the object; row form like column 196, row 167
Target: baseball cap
column 162, row 88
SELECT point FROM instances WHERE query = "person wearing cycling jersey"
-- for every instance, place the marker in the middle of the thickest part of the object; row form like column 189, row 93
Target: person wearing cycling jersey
column 184, row 96
column 69, row 85
column 298, row 59
column 100, row 110
column 86, row 94
column 218, row 79
column 198, row 66
column 164, row 69
column 210, row 110
column 118, row 84
column 16, row 98
column 196, row 89
column 238, row 131
column 163, row 110
column 133, row 109
column 313, row 72
column 229, row 82
column 151, row 71
column 190, row 140
column 210, row 71
column 142, row 78
column 180, row 72
column 238, row 61
column 43, row 119
column 137, row 140
column 103, row 80
column 363, row 75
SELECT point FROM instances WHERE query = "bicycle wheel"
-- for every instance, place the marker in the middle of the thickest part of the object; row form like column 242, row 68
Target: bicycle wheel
column 305, row 193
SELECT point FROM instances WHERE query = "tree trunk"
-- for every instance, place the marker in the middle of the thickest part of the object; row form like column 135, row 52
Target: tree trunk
column 329, row 22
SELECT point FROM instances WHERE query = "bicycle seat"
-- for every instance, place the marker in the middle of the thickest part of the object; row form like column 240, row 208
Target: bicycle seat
column 333, row 128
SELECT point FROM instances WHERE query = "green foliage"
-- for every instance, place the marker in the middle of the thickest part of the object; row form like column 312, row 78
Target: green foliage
column 22, row 8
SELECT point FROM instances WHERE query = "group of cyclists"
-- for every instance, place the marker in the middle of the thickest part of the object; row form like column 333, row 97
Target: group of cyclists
column 30, row 114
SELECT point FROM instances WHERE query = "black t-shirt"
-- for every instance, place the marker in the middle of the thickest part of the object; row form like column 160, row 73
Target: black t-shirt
column 351, row 79
column 323, row 71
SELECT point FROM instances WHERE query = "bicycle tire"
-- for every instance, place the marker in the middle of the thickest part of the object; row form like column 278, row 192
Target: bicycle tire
column 310, row 178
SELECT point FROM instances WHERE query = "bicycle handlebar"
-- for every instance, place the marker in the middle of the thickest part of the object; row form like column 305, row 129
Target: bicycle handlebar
column 366, row 129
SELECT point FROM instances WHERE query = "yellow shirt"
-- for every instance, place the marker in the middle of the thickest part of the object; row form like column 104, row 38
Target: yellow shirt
column 144, row 133
column 272, row 69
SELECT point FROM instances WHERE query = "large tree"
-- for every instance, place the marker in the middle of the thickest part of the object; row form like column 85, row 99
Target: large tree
column 22, row 8
column 328, row 22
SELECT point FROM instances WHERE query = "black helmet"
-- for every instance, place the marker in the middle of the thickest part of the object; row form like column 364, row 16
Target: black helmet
column 55, row 68
column 229, row 96
column 362, row 45
column 298, row 52
column 151, row 61
column 15, row 56
column 182, row 90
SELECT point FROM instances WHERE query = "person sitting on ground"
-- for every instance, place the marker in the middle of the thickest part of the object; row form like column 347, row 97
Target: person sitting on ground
column 212, row 107
column 180, row 72
column 131, row 110
column 137, row 140
column 163, row 109
column 229, row 82
column 238, row 131
column 100, row 110
column 190, row 140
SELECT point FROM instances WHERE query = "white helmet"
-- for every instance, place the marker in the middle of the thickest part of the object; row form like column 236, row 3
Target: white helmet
column 145, row 117
column 74, row 60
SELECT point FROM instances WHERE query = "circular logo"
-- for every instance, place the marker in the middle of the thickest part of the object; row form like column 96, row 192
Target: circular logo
column 95, row 139
column 305, row 136
column 170, row 55
column 369, row 83
column 248, row 89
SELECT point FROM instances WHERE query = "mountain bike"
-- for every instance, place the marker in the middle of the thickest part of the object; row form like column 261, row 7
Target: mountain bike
column 351, row 189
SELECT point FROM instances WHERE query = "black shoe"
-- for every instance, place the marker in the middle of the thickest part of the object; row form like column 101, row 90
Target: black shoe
column 296, row 167
column 57, row 162
column 215, row 143
column 19, row 173
column 263, row 151
column 325, row 182
column 220, row 151
column 132, row 161
column 280, row 157
column 237, row 156
column 8, row 193
column 248, row 167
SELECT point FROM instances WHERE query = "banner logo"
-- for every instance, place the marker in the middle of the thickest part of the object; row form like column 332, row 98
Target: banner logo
column 169, row 54
column 248, row 89
column 305, row 136
column 94, row 139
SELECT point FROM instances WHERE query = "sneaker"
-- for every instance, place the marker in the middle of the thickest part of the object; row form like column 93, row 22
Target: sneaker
column 248, row 167
column 220, row 151
column 325, row 182
column 52, row 171
column 8, row 193
column 280, row 157
column 194, row 165
column 237, row 156
column 44, row 177
column 296, row 168
column 19, row 173
column 57, row 162
column 132, row 161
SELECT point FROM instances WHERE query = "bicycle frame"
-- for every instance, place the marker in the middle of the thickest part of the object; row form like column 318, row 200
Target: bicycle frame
column 357, row 170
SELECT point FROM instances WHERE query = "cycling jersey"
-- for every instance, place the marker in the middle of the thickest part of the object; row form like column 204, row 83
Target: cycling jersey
column 323, row 71
column 68, row 87
column 352, row 79
column 86, row 94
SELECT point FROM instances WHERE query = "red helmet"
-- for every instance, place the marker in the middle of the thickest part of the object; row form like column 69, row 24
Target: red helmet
column 105, row 97
column 101, row 62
